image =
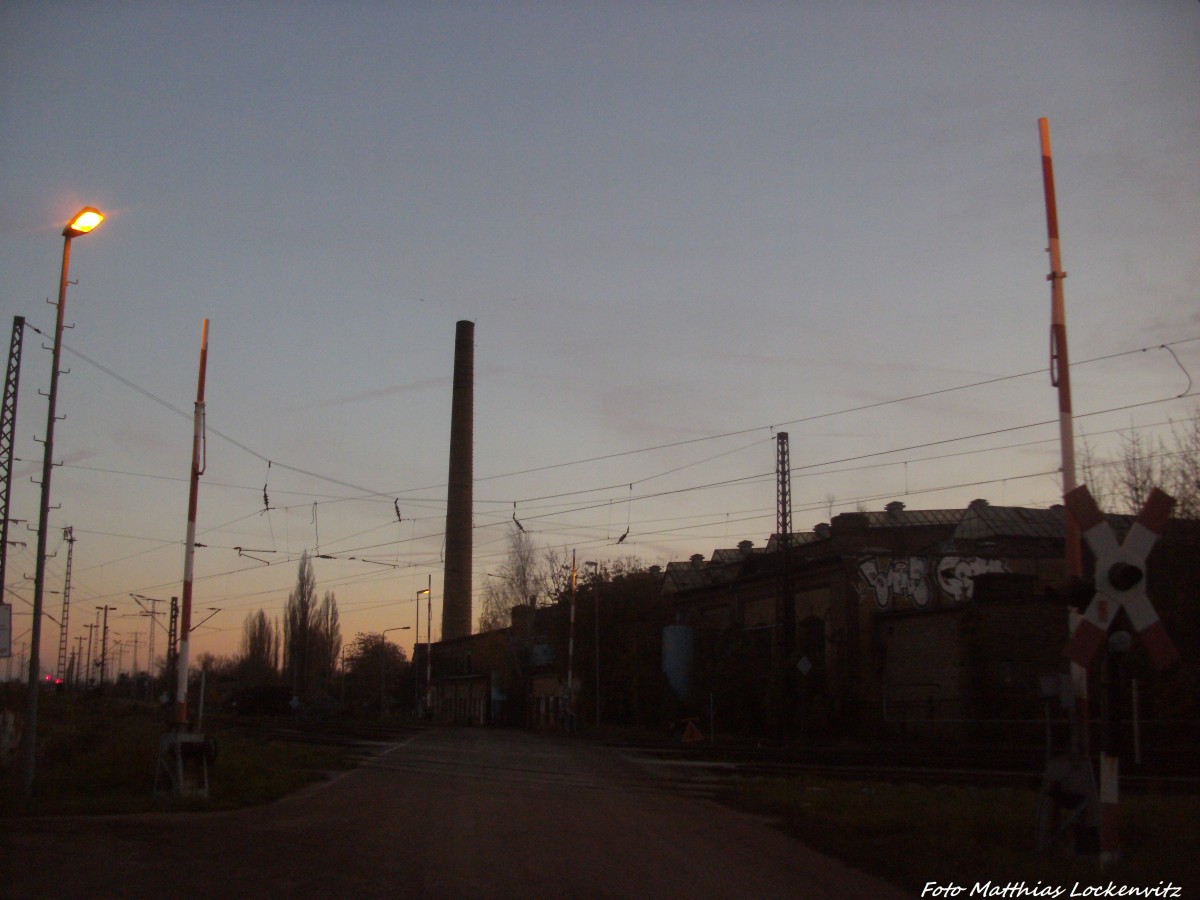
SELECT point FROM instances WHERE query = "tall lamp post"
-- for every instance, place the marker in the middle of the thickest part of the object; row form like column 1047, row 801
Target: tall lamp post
column 416, row 668
column 595, row 566
column 429, row 640
column 84, row 221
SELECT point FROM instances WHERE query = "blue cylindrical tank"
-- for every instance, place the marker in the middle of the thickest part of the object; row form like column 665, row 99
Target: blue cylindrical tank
column 678, row 652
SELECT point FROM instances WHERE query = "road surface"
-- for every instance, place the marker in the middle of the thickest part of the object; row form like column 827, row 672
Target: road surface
column 446, row 813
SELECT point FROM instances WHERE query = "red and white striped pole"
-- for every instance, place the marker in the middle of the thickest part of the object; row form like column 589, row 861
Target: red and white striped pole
column 1060, row 370
column 1060, row 377
column 189, row 553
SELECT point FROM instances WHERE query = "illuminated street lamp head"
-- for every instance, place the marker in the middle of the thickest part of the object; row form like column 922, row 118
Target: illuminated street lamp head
column 87, row 219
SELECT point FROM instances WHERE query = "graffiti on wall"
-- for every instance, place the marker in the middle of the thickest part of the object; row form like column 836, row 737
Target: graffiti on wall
column 902, row 577
column 956, row 574
column 905, row 580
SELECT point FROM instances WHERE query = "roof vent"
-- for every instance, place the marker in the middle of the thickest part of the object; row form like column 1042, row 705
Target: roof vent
column 894, row 508
column 697, row 560
column 745, row 547
column 976, row 504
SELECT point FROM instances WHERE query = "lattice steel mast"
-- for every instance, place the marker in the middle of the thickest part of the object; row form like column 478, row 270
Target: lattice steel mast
column 61, row 673
column 8, row 421
column 785, row 618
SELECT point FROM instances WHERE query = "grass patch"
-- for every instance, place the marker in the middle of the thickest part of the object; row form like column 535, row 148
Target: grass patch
column 954, row 834
column 99, row 755
column 252, row 769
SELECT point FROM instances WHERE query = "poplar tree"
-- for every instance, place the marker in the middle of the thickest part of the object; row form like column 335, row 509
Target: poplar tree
column 260, row 649
column 299, row 628
column 327, row 641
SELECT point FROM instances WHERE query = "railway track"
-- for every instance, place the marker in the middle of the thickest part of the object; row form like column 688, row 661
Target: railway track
column 713, row 765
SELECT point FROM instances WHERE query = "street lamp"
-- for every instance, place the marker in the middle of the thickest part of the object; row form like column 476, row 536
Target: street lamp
column 383, row 668
column 416, row 670
column 596, row 607
column 84, row 221
column 87, row 219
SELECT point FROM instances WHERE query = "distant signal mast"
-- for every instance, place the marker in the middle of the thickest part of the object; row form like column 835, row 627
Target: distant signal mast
column 69, row 537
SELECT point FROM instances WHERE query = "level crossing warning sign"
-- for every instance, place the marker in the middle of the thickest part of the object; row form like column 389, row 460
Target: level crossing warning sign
column 1120, row 577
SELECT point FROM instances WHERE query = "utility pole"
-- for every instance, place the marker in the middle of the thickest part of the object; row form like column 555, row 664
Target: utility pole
column 189, row 553
column 415, row 671
column 172, row 640
column 69, row 537
column 8, row 423
column 153, row 614
column 1060, row 366
column 785, row 617
column 136, row 640
column 104, row 644
column 570, row 704
column 596, row 632
column 78, row 660
column 85, row 221
column 87, row 665
column 429, row 638
column 1060, row 378
column 150, row 643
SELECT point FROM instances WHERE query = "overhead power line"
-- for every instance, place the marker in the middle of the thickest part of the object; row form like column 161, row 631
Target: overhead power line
column 371, row 493
column 368, row 493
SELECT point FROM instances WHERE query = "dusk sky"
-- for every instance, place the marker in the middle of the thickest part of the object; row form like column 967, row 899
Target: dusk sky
column 679, row 228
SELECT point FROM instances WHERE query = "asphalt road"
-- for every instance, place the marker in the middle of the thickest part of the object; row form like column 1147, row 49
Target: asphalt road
column 444, row 814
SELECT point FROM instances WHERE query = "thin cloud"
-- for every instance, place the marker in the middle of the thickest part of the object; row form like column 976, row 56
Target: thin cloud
column 390, row 390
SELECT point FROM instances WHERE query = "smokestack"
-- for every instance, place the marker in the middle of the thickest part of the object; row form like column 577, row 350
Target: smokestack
column 456, row 584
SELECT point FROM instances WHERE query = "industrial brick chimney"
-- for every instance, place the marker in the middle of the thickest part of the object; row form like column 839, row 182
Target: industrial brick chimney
column 456, row 585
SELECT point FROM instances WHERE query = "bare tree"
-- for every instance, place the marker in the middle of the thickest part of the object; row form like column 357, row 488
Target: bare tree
column 556, row 569
column 260, row 649
column 327, row 641
column 299, row 626
column 517, row 581
column 1122, row 482
column 1184, row 481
